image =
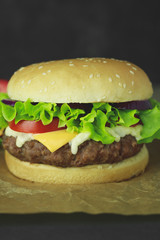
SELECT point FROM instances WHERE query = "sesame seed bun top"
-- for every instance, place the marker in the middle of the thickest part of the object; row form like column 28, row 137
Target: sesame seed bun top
column 81, row 80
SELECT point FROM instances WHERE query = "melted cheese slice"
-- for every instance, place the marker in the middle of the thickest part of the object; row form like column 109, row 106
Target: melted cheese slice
column 54, row 140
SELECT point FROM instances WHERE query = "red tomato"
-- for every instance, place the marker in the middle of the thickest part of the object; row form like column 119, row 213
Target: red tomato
column 3, row 85
column 35, row 127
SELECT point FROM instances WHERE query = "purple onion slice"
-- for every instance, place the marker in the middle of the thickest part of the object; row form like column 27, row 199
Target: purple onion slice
column 139, row 105
column 12, row 102
column 9, row 102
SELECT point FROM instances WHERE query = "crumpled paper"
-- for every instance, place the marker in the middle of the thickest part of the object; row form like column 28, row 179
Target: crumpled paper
column 140, row 195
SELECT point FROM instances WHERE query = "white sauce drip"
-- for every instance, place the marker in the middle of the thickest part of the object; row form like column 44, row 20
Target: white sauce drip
column 120, row 131
column 21, row 138
column 79, row 139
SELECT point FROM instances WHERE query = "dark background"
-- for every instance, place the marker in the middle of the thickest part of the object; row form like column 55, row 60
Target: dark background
column 79, row 227
column 41, row 30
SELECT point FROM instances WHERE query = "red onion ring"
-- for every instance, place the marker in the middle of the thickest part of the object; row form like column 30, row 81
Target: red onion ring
column 139, row 105
column 9, row 102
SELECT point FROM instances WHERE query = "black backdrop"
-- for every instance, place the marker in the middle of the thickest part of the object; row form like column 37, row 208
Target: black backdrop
column 38, row 30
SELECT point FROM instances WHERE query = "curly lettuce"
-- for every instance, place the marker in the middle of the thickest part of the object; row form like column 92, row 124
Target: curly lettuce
column 96, row 122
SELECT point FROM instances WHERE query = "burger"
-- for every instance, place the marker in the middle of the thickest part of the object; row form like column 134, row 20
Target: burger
column 79, row 121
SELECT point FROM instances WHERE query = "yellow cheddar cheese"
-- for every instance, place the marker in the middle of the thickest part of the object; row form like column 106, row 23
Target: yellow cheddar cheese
column 54, row 140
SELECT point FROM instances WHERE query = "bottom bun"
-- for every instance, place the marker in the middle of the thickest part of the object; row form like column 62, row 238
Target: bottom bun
column 101, row 173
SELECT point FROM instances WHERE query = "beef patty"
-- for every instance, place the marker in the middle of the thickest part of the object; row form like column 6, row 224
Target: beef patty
column 89, row 152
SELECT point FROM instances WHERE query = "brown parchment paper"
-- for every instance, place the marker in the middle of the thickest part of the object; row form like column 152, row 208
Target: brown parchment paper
column 139, row 195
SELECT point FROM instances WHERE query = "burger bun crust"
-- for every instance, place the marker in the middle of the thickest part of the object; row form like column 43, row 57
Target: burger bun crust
column 103, row 173
column 84, row 80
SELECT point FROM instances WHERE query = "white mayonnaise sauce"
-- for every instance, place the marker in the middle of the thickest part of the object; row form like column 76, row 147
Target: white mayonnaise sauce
column 21, row 138
column 76, row 141
column 120, row 131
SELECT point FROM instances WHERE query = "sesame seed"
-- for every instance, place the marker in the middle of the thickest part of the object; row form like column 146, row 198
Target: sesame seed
column 134, row 68
column 21, row 68
column 132, row 83
column 45, row 89
column 84, row 65
column 128, row 64
column 130, row 92
column 71, row 64
column 104, row 61
column 49, row 71
column 98, row 75
column 53, row 82
column 124, row 85
column 83, row 86
column 44, row 73
column 120, row 84
column 70, row 61
column 131, row 72
column 22, row 82
column 40, row 67
column 91, row 75
column 29, row 81
column 86, row 60
column 110, row 79
column 117, row 76
column 40, row 91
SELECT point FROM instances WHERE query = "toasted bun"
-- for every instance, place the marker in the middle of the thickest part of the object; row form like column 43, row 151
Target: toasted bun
column 84, row 80
column 79, row 175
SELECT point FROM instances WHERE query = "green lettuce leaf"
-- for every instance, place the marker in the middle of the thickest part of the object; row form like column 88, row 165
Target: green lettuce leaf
column 3, row 121
column 128, row 118
column 3, row 96
column 151, row 124
column 97, row 122
column 8, row 112
column 154, row 103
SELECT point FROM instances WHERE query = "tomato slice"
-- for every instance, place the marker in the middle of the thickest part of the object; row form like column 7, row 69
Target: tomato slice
column 26, row 126
column 3, row 85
